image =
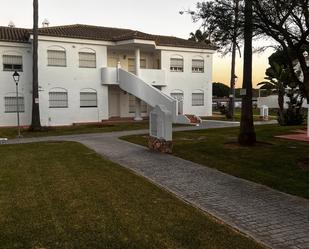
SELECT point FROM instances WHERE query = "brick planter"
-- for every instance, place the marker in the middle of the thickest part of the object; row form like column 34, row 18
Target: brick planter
column 160, row 145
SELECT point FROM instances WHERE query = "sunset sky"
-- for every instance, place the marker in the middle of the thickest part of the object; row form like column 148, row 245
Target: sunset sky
column 156, row 17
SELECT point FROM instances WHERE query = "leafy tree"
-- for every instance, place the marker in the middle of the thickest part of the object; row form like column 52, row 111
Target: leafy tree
column 275, row 80
column 287, row 23
column 220, row 90
column 247, row 134
column 36, row 122
column 199, row 36
column 222, row 21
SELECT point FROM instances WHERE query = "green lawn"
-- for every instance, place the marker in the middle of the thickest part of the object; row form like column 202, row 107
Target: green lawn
column 61, row 195
column 78, row 129
column 256, row 115
column 275, row 165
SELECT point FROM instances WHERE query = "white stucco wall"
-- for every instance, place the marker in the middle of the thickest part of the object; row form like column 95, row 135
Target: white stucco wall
column 7, row 85
column 188, row 82
column 73, row 79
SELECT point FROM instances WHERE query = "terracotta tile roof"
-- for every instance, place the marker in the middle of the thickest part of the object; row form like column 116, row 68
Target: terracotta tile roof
column 14, row 34
column 81, row 31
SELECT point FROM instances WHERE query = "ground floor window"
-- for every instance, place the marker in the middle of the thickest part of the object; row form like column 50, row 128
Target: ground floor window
column 198, row 99
column 132, row 105
column 11, row 104
column 58, row 100
column 88, row 99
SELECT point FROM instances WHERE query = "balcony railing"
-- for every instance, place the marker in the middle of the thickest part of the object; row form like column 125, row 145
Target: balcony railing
column 153, row 77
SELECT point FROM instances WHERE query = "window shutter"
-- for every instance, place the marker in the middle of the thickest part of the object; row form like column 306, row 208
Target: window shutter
column 56, row 58
column 197, row 99
column 10, row 104
column 88, row 99
column 87, row 60
column 12, row 59
column 58, row 100
column 198, row 66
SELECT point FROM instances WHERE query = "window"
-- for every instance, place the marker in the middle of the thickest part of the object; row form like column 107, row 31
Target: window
column 143, row 63
column 10, row 104
column 88, row 99
column 198, row 98
column 144, row 107
column 197, row 66
column 58, row 100
column 176, row 65
column 12, row 63
column 132, row 105
column 56, row 58
column 87, row 60
column 131, row 64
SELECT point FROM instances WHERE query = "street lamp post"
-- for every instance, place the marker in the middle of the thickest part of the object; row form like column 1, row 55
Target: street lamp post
column 16, row 78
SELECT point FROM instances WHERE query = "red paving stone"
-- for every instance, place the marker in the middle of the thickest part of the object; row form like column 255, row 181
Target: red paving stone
column 301, row 136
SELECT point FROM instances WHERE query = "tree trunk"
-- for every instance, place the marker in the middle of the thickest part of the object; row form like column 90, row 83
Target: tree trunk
column 306, row 83
column 36, row 122
column 247, row 134
column 233, row 64
column 281, row 92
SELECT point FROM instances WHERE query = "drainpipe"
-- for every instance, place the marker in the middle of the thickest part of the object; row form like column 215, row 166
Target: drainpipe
column 138, row 104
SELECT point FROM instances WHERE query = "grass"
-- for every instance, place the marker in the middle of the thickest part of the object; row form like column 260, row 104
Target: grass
column 256, row 115
column 58, row 195
column 78, row 129
column 274, row 165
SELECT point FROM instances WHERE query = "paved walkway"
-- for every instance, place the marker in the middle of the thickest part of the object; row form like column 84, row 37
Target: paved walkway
column 276, row 219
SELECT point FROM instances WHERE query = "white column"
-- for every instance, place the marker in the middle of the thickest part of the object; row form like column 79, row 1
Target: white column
column 138, row 116
column 137, row 61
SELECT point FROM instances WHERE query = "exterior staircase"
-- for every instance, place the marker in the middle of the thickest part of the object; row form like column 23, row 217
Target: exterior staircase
column 152, row 96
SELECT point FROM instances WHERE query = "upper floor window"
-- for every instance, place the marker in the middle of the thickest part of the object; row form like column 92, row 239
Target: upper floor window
column 197, row 66
column 176, row 64
column 58, row 99
column 56, row 58
column 198, row 98
column 12, row 63
column 87, row 60
column 10, row 104
column 131, row 64
column 88, row 99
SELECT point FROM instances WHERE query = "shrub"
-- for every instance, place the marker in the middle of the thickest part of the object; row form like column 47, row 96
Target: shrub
column 293, row 116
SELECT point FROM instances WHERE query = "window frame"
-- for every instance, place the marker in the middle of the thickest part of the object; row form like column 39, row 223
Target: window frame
column 199, row 101
column 21, row 104
column 13, row 68
column 88, row 53
column 88, row 106
column 56, row 50
column 194, row 67
column 177, row 69
column 58, row 106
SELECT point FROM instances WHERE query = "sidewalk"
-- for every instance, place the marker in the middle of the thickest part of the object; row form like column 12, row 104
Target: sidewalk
column 278, row 220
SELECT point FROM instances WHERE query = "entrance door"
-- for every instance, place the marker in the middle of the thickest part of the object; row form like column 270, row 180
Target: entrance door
column 179, row 98
column 114, row 102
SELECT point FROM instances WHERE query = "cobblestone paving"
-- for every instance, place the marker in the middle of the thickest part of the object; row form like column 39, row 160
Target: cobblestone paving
column 275, row 219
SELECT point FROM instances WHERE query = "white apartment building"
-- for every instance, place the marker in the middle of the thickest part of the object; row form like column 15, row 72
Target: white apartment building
column 89, row 74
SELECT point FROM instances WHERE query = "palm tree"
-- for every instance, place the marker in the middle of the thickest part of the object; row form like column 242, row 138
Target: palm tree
column 247, row 134
column 36, row 122
column 199, row 36
column 277, row 78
